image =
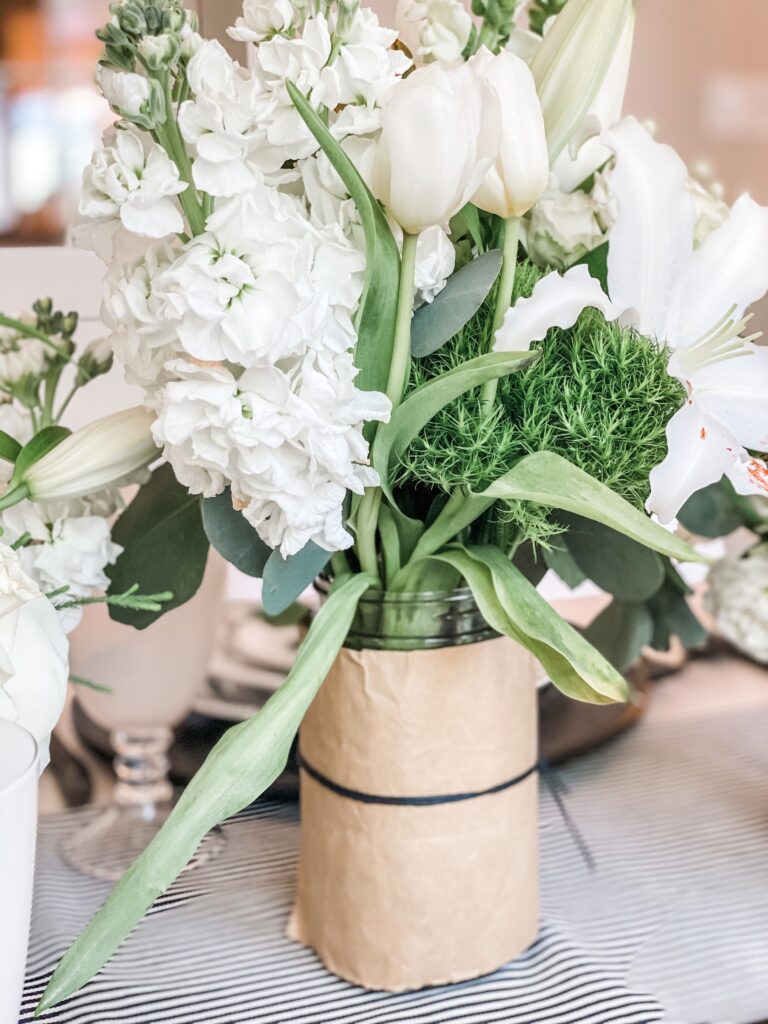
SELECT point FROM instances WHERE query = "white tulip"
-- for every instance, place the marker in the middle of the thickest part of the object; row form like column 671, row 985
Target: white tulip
column 33, row 654
column 94, row 457
column 573, row 60
column 521, row 171
column 440, row 132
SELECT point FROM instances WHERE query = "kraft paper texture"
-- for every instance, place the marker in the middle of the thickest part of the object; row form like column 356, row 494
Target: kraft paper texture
column 397, row 898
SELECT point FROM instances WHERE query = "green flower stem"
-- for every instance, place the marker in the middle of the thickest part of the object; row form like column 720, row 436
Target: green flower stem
column 401, row 352
column 169, row 137
column 503, row 297
column 32, row 332
column 368, row 512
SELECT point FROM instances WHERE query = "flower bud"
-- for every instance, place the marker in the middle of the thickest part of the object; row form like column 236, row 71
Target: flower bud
column 440, row 134
column 96, row 360
column 573, row 59
column 521, row 171
column 130, row 18
column 160, row 51
column 126, row 92
column 99, row 455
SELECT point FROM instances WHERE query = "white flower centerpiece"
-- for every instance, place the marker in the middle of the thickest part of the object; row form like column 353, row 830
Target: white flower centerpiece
column 344, row 278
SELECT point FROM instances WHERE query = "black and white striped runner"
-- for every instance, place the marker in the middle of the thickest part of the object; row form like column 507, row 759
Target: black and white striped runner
column 671, row 926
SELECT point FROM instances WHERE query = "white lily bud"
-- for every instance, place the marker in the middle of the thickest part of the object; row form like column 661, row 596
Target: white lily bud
column 440, row 134
column 521, row 171
column 572, row 62
column 97, row 456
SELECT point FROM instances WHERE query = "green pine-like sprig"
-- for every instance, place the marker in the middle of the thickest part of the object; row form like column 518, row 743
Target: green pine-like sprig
column 600, row 396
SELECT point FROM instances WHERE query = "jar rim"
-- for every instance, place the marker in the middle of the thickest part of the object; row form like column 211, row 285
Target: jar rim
column 322, row 583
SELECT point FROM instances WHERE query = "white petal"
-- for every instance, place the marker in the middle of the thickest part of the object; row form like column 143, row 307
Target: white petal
column 156, row 221
column 735, row 392
column 729, row 269
column 651, row 243
column 556, row 301
column 749, row 476
column 700, row 450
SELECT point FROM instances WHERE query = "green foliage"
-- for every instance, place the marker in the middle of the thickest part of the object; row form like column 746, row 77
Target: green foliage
column 378, row 306
column 286, row 578
column 513, row 606
column 618, row 565
column 540, row 11
column 600, row 396
column 436, row 322
column 233, row 536
column 245, row 761
column 164, row 547
column 715, row 511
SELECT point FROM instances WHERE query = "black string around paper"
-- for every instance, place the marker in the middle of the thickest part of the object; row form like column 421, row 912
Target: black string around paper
column 554, row 782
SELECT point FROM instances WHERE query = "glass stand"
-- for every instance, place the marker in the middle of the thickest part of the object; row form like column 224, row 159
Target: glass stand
column 143, row 795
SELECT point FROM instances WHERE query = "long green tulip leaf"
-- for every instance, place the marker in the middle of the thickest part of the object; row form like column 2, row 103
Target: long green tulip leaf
column 512, row 606
column 424, row 402
column 549, row 479
column 378, row 305
column 9, row 447
column 245, row 761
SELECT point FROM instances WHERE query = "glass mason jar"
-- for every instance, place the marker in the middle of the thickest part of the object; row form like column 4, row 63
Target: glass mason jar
column 419, row 797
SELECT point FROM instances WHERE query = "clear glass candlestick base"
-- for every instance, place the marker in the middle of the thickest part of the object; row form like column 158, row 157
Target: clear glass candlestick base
column 143, row 799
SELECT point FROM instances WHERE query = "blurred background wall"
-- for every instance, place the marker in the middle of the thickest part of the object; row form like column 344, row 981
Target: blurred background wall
column 700, row 72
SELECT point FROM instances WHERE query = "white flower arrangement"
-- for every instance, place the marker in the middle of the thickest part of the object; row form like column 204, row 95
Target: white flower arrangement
column 347, row 356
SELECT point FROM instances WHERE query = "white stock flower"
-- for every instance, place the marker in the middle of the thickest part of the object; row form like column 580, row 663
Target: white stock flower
column 21, row 356
column 263, row 283
column 137, row 185
column 564, row 226
column 692, row 300
column 738, row 600
column 33, row 654
column 289, row 441
column 126, row 92
column 221, row 123
column 433, row 29
column 264, row 18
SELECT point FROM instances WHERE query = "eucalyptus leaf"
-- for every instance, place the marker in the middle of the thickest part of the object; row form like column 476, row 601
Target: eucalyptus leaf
column 9, row 447
column 714, row 511
column 245, row 761
column 286, row 578
column 548, row 479
column 560, row 561
column 436, row 322
column 43, row 442
column 672, row 616
column 511, row 605
column 618, row 565
column 233, row 536
column 376, row 313
column 621, row 631
column 164, row 547
column 421, row 404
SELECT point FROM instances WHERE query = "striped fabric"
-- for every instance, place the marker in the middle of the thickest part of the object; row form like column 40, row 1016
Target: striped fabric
column 671, row 925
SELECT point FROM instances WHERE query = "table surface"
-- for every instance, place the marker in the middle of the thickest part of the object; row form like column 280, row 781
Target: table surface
column 671, row 925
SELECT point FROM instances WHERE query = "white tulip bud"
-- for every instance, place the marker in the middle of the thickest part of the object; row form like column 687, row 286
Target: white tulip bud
column 99, row 455
column 440, row 134
column 573, row 60
column 521, row 171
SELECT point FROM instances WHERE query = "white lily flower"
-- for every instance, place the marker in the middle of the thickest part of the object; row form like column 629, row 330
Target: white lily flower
column 572, row 62
column 691, row 300
column 98, row 455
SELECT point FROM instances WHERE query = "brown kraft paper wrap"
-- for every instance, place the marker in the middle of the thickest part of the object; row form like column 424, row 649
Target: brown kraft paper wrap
column 400, row 897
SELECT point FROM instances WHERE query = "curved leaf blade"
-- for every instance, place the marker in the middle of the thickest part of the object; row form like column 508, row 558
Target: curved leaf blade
column 286, row 578
column 9, row 447
column 164, row 547
column 42, row 443
column 421, row 404
column 245, row 761
column 438, row 321
column 513, row 606
column 548, row 479
column 378, row 305
column 230, row 533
